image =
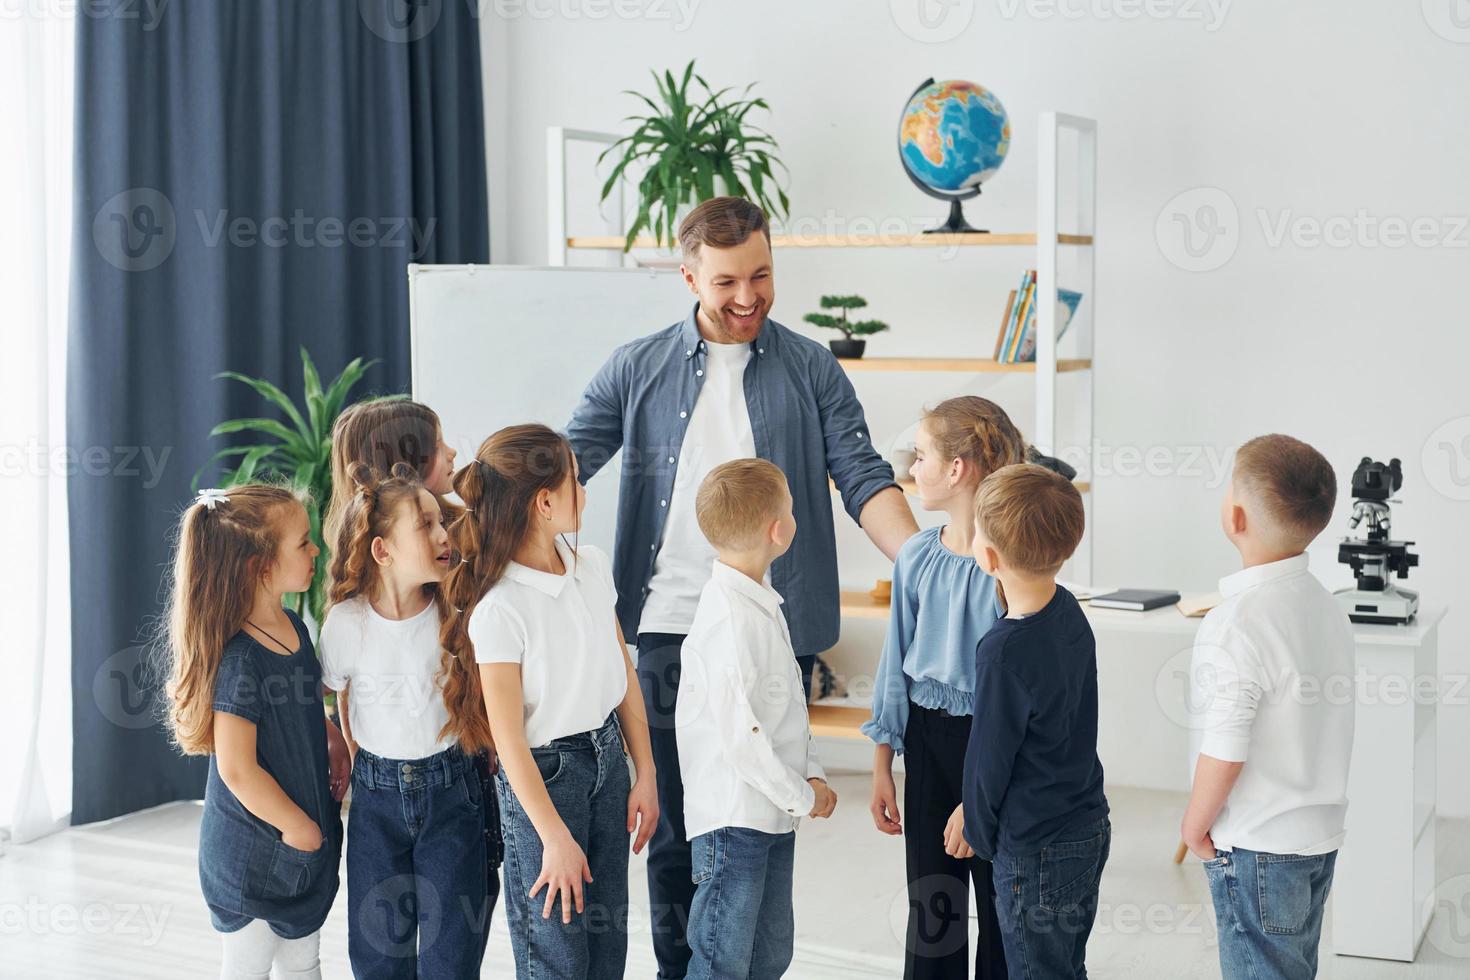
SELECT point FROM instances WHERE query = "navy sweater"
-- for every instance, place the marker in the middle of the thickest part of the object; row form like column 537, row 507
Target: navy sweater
column 1031, row 768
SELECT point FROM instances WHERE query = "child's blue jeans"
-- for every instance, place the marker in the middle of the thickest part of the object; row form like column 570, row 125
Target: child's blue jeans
column 1268, row 910
column 741, row 923
column 1047, row 902
column 417, row 890
column 587, row 778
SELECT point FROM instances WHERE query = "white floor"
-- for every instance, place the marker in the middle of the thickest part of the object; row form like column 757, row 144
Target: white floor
column 121, row 900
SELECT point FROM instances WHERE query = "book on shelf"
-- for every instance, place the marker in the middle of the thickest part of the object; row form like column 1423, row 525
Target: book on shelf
column 1137, row 600
column 1016, row 340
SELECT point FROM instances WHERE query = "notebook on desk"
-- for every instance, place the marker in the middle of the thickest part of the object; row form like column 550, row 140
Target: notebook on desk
column 1137, row 600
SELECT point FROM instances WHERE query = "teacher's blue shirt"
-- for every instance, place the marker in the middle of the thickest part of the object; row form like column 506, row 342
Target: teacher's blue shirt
column 806, row 419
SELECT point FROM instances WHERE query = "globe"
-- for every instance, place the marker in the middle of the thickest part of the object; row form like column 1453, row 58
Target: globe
column 953, row 136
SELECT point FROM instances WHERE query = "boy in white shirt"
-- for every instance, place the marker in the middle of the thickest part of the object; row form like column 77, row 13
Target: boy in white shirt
column 1272, row 689
column 746, row 753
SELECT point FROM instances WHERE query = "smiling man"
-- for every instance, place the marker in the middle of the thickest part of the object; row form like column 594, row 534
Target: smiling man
column 727, row 382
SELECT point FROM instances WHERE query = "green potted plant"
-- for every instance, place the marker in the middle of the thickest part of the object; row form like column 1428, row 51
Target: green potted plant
column 299, row 454
column 693, row 146
column 849, row 345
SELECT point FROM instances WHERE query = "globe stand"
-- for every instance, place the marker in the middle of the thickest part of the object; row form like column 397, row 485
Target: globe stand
column 956, row 223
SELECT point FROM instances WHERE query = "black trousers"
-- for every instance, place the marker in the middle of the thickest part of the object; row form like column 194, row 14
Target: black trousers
column 937, row 942
column 670, row 869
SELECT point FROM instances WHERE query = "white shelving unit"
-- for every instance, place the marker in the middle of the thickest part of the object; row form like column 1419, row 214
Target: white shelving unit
column 1054, row 130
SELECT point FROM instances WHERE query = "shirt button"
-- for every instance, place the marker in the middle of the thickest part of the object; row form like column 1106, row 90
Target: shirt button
column 663, row 503
column 699, row 373
column 689, row 353
column 683, row 415
column 760, row 350
column 671, row 459
column 755, row 728
column 653, row 547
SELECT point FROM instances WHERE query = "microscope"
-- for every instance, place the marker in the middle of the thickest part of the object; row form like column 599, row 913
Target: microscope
column 1376, row 559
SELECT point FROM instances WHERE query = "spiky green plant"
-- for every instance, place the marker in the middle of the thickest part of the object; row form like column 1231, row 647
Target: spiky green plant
column 685, row 143
column 298, row 453
column 856, row 328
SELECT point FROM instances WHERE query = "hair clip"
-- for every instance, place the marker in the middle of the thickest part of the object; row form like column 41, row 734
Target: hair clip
column 211, row 497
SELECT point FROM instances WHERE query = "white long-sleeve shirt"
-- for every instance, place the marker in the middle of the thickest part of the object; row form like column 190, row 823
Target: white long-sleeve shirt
column 1272, row 686
column 745, row 745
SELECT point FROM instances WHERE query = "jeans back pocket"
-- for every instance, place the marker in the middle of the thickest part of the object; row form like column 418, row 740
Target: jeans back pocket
column 1069, row 871
column 1284, row 888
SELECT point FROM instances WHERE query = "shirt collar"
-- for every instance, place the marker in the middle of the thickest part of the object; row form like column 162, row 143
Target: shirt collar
column 738, row 581
column 692, row 340
column 1273, row 571
column 546, row 582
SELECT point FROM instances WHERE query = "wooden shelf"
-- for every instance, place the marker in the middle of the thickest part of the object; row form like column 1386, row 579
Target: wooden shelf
column 963, row 365
column 835, row 721
column 851, row 241
column 860, row 605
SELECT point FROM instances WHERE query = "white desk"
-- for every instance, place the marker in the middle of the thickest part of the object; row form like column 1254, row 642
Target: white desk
column 1385, row 871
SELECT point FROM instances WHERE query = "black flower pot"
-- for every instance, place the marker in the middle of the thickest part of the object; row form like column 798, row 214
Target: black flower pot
column 847, row 348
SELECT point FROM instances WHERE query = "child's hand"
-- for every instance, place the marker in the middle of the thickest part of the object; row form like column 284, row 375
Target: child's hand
column 884, row 807
column 954, row 835
column 826, row 799
column 564, row 870
column 306, row 837
column 643, row 810
column 339, row 762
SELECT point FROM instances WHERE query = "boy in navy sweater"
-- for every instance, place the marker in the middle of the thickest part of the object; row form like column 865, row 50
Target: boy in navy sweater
column 1033, row 789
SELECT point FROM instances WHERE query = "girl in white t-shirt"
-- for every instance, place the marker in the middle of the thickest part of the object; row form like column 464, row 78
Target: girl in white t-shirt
column 560, row 697
column 418, row 884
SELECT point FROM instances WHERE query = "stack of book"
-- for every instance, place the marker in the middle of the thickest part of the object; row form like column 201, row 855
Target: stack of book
column 1016, row 341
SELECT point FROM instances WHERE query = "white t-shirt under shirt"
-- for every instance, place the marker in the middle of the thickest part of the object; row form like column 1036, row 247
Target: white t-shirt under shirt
column 719, row 431
column 396, row 706
column 562, row 630
column 1273, row 687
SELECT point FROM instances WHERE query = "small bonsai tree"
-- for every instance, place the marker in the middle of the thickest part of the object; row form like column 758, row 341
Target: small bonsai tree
column 850, row 330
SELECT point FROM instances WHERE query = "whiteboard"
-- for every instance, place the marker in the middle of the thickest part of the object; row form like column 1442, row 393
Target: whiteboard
column 498, row 345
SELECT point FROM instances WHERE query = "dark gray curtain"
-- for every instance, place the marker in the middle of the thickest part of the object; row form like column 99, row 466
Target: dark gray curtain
column 251, row 176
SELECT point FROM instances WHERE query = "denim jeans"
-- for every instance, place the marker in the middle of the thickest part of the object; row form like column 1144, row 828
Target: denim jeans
column 670, row 889
column 418, row 898
column 741, row 924
column 587, row 778
column 1268, row 911
column 1047, row 902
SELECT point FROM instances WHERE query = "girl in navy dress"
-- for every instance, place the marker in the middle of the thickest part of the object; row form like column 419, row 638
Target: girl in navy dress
column 245, row 689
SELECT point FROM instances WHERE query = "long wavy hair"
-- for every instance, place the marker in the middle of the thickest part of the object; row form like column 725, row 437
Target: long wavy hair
column 221, row 556
column 369, row 513
column 498, row 488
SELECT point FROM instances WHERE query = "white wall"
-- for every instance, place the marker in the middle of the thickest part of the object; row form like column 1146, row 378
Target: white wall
column 1302, row 110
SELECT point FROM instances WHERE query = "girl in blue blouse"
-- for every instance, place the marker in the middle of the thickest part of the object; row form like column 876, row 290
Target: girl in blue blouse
column 924, row 692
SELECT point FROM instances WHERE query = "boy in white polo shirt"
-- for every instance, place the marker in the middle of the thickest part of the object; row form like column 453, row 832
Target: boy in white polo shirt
column 1272, row 689
column 746, row 753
